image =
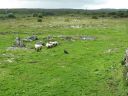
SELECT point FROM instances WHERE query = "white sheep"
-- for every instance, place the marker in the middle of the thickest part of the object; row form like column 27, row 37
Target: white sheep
column 55, row 43
column 49, row 45
column 38, row 47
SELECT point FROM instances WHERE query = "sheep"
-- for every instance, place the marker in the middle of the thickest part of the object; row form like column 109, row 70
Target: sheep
column 51, row 44
column 38, row 46
column 55, row 43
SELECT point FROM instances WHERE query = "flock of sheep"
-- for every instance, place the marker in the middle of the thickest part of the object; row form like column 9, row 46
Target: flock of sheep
column 39, row 45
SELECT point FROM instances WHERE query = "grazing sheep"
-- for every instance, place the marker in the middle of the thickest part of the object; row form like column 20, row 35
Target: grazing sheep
column 51, row 44
column 55, row 43
column 38, row 46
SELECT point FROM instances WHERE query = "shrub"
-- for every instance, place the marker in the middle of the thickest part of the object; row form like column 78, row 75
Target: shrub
column 102, row 15
column 40, row 15
column 94, row 17
column 2, row 17
column 115, row 16
column 39, row 20
column 121, row 14
column 67, row 20
column 112, row 13
column 34, row 15
column 11, row 15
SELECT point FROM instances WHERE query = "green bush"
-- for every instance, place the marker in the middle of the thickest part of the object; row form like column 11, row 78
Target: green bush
column 11, row 15
column 40, row 15
column 2, row 18
column 39, row 20
column 34, row 15
column 115, row 16
column 67, row 20
column 94, row 17
column 103, row 15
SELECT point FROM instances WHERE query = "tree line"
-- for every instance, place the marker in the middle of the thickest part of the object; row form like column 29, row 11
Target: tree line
column 13, row 13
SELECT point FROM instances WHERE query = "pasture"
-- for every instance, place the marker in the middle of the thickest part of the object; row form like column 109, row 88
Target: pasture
column 92, row 67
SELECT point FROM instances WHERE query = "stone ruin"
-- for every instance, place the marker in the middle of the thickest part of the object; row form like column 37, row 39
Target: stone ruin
column 30, row 38
column 18, row 42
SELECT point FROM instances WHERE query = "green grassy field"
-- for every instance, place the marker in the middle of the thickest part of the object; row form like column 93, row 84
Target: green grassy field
column 92, row 67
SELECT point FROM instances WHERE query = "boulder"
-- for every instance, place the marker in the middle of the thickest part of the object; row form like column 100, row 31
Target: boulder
column 30, row 38
column 87, row 38
column 19, row 42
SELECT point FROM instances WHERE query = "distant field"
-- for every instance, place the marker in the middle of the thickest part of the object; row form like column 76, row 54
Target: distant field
column 92, row 67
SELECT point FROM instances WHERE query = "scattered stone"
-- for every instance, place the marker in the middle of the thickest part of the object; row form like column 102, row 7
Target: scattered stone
column 41, row 43
column 33, row 62
column 30, row 38
column 49, row 37
column 4, row 54
column 11, row 48
column 9, row 60
column 111, row 50
column 16, row 48
column 8, row 55
column 18, row 42
column 69, row 37
column 87, row 38
column 75, row 26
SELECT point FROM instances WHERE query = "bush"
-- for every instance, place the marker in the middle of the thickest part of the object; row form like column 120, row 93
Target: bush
column 115, row 16
column 11, row 15
column 112, row 13
column 40, row 15
column 34, row 15
column 94, row 17
column 102, row 15
column 121, row 14
column 2, row 17
column 39, row 20
column 67, row 20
